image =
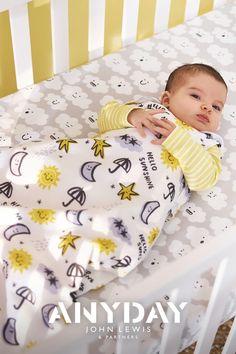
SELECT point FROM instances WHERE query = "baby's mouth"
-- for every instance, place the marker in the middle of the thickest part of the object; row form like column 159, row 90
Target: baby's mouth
column 203, row 118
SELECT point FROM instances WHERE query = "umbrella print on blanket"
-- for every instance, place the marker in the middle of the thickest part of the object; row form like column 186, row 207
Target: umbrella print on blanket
column 124, row 163
column 26, row 294
column 75, row 270
column 76, row 193
column 6, row 189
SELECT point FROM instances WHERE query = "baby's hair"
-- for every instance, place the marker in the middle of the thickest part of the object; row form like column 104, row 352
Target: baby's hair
column 178, row 76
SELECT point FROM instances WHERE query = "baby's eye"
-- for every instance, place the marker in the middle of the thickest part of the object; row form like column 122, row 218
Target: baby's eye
column 216, row 107
column 194, row 95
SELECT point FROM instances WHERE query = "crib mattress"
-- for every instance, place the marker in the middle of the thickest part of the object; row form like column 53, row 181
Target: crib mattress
column 68, row 104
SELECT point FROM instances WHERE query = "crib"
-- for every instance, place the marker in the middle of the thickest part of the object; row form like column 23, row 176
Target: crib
column 108, row 49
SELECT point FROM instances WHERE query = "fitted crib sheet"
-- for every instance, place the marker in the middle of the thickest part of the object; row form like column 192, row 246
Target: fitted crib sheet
column 68, row 105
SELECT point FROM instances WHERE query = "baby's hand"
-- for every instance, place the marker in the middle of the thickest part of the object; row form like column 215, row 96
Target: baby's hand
column 163, row 127
column 141, row 118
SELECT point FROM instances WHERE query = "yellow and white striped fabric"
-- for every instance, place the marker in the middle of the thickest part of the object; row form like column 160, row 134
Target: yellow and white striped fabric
column 40, row 38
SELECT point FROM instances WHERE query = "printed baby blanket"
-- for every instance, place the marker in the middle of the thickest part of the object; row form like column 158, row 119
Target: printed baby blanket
column 77, row 213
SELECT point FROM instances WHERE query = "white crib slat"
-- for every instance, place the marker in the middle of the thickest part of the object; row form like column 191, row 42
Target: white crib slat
column 9, row 4
column 191, row 9
column 172, row 334
column 60, row 35
column 96, row 28
column 124, row 346
column 218, row 3
column 230, row 344
column 21, row 45
column 130, row 21
column 162, row 15
column 214, row 311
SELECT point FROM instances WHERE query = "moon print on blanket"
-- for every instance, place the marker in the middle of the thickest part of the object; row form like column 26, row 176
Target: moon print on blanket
column 87, row 170
column 16, row 162
column 46, row 313
column 73, row 216
column 9, row 331
column 148, row 209
column 16, row 229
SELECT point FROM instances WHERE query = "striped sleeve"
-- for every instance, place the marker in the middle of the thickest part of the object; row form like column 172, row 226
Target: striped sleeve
column 201, row 167
column 114, row 116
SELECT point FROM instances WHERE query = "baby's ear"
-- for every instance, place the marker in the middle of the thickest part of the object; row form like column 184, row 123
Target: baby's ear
column 165, row 98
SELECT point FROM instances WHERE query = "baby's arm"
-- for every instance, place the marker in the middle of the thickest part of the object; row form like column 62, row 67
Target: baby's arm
column 201, row 167
column 116, row 116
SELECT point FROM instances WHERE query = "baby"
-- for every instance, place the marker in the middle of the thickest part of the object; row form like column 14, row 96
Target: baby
column 195, row 95
column 88, row 210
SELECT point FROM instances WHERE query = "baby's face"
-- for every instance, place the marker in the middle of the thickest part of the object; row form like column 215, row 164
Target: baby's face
column 198, row 102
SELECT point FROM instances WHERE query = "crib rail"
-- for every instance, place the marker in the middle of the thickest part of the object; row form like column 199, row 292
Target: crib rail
column 40, row 38
column 221, row 252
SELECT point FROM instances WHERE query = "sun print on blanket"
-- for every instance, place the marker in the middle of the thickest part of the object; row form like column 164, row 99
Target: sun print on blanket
column 42, row 216
column 105, row 245
column 169, row 160
column 48, row 177
column 19, row 260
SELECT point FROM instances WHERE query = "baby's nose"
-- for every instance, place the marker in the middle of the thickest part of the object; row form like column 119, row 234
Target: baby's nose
column 206, row 107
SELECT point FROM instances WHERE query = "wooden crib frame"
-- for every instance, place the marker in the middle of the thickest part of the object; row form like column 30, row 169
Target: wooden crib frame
column 75, row 32
column 109, row 26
